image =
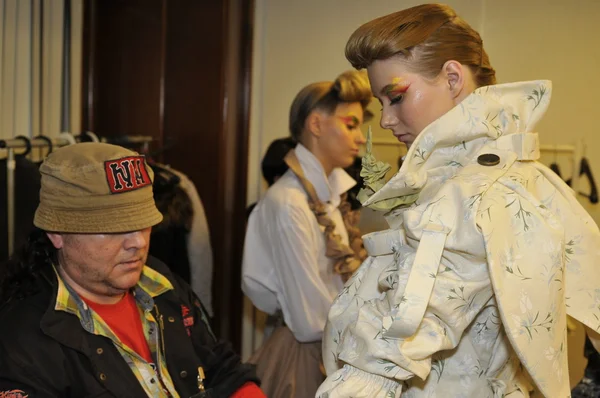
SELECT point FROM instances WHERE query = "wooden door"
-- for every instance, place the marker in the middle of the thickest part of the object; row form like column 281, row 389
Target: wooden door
column 179, row 71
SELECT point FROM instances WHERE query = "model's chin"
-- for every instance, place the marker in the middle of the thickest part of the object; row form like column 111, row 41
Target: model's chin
column 348, row 162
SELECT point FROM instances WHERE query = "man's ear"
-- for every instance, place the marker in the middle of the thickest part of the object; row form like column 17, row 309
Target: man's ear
column 56, row 239
column 314, row 123
column 453, row 73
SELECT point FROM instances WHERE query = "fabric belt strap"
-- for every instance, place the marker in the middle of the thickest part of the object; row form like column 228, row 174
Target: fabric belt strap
column 413, row 301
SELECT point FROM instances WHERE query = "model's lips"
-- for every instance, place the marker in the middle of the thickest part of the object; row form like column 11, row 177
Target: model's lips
column 405, row 138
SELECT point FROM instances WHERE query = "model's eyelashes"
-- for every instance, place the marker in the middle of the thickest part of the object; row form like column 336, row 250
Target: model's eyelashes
column 393, row 100
column 396, row 100
column 351, row 122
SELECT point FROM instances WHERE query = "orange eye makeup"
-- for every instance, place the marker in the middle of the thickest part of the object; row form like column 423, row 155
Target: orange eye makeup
column 396, row 88
column 350, row 121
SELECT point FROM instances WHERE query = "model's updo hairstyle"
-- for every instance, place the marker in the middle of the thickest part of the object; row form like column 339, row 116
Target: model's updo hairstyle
column 350, row 86
column 424, row 37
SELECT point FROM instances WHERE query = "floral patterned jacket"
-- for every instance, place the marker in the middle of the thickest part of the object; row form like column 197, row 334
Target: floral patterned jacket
column 487, row 254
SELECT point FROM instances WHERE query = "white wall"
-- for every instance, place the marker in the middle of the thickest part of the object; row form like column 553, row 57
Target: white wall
column 301, row 41
column 556, row 40
column 298, row 42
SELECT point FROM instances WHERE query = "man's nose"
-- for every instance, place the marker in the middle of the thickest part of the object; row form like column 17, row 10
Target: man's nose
column 137, row 239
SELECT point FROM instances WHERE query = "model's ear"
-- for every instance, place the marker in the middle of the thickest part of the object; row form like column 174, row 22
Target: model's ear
column 56, row 239
column 453, row 73
column 314, row 123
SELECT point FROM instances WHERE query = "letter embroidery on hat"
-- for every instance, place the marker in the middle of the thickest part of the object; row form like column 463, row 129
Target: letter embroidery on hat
column 13, row 394
column 126, row 174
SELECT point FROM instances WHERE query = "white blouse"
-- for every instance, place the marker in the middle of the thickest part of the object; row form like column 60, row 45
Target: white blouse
column 285, row 267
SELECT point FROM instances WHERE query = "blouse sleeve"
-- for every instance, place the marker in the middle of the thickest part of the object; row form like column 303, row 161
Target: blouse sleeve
column 304, row 297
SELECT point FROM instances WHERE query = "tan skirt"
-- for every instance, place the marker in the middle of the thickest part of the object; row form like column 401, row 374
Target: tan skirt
column 288, row 368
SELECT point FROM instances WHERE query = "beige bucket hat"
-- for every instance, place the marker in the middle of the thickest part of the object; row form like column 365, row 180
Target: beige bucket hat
column 96, row 188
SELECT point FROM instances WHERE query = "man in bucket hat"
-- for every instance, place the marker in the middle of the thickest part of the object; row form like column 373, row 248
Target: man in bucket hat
column 84, row 310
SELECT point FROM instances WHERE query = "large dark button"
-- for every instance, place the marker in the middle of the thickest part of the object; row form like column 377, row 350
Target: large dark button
column 488, row 159
column 183, row 374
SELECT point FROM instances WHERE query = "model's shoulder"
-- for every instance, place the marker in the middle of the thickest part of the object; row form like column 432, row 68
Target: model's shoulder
column 287, row 192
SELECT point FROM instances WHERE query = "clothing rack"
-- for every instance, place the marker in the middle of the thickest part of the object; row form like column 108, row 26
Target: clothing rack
column 65, row 138
column 10, row 145
column 578, row 152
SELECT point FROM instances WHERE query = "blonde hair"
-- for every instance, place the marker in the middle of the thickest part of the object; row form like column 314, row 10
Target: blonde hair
column 425, row 37
column 350, row 86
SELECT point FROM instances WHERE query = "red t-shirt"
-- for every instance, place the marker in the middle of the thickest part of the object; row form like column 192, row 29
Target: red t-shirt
column 249, row 390
column 124, row 320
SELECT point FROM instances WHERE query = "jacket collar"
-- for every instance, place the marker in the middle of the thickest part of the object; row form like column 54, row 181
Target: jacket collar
column 65, row 327
column 329, row 189
column 150, row 285
column 505, row 113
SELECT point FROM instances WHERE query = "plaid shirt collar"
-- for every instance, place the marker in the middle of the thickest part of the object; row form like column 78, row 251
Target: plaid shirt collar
column 150, row 285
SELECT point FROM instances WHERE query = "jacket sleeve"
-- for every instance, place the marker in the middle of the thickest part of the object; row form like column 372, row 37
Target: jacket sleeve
column 224, row 371
column 525, row 242
column 581, row 264
column 580, row 251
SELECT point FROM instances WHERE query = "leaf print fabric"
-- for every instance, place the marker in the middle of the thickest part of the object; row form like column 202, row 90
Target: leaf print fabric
column 519, row 254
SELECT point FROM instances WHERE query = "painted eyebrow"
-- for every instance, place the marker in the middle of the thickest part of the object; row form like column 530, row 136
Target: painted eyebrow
column 350, row 118
column 399, row 87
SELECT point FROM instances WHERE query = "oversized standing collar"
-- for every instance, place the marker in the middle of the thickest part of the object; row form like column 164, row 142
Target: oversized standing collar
column 505, row 114
column 328, row 188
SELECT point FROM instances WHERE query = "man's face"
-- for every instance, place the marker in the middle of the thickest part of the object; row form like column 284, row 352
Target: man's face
column 102, row 267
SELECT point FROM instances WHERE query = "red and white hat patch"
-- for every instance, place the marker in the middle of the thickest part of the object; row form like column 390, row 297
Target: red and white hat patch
column 127, row 174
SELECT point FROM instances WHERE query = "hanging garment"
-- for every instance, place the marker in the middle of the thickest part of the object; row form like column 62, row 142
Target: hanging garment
column 27, row 198
column 199, row 247
column 467, row 294
column 185, row 243
column 168, row 241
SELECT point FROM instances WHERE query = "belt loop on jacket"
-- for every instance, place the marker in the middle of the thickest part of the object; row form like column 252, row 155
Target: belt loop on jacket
column 415, row 298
